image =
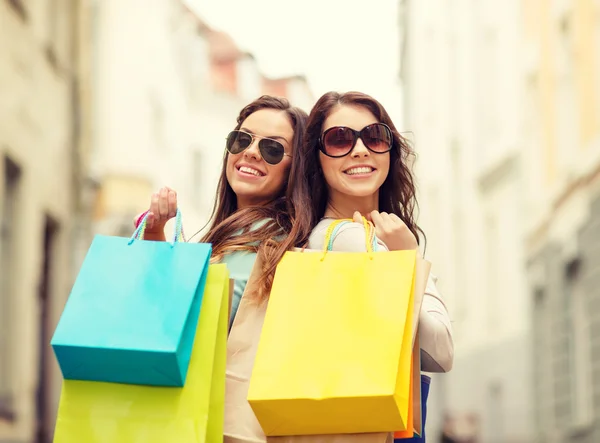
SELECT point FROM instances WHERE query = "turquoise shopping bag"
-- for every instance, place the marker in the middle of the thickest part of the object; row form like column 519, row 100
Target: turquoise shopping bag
column 132, row 313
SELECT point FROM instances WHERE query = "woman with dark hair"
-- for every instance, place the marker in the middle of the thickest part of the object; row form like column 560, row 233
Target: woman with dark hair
column 250, row 211
column 354, row 163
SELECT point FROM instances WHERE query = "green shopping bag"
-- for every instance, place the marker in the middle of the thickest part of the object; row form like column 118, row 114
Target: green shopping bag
column 96, row 412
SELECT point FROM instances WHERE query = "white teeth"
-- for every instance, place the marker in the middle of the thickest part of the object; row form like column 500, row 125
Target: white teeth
column 250, row 171
column 361, row 170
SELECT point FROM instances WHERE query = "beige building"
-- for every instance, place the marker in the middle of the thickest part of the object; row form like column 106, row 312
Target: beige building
column 464, row 108
column 503, row 99
column 562, row 40
column 39, row 199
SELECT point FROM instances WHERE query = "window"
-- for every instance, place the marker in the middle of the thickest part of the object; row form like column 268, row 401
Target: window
column 567, row 134
column 493, row 275
column 45, row 293
column 581, row 375
column 542, row 359
column 541, row 366
column 458, row 226
column 19, row 7
column 489, row 81
column 8, row 224
column 51, row 49
column 496, row 408
column 60, row 34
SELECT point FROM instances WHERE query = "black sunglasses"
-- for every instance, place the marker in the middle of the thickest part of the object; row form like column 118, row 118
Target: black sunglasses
column 339, row 141
column 271, row 150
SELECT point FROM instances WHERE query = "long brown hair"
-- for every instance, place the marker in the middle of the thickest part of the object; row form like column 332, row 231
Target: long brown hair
column 231, row 229
column 308, row 189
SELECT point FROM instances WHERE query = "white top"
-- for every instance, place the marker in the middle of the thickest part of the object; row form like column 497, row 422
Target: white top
column 435, row 330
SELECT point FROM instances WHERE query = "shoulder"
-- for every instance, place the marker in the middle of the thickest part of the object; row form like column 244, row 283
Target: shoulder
column 260, row 223
column 273, row 224
column 349, row 237
column 278, row 235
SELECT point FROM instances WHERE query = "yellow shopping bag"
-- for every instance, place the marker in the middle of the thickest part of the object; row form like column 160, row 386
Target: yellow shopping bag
column 335, row 351
column 94, row 412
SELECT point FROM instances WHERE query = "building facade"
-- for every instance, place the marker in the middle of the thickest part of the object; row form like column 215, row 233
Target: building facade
column 504, row 102
column 463, row 111
column 562, row 40
column 144, row 66
column 40, row 164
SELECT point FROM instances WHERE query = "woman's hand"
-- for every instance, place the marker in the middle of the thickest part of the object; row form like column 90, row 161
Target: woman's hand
column 163, row 207
column 391, row 230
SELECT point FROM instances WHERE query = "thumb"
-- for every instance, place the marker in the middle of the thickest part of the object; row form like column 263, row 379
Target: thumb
column 357, row 218
column 150, row 220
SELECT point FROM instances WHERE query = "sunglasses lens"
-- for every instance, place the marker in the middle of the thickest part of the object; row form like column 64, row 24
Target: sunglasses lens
column 337, row 142
column 377, row 137
column 237, row 141
column 271, row 151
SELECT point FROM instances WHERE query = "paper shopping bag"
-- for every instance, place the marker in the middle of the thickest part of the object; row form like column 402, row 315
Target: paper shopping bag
column 414, row 412
column 97, row 412
column 418, row 386
column 422, row 270
column 132, row 313
column 334, row 354
column 420, row 437
column 417, row 395
column 241, row 425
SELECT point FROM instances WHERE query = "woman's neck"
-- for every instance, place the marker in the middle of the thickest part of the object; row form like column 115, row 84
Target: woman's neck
column 344, row 206
column 244, row 202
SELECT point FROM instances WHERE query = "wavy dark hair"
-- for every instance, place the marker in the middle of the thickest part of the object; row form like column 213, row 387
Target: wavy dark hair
column 230, row 228
column 308, row 189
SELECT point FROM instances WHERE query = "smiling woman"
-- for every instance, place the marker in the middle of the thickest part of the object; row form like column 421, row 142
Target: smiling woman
column 251, row 210
column 259, row 157
column 353, row 163
column 348, row 167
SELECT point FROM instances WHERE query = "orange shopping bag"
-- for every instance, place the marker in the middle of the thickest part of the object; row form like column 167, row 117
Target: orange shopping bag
column 414, row 409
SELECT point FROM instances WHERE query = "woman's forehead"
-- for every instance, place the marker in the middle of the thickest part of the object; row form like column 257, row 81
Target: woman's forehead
column 356, row 117
column 269, row 123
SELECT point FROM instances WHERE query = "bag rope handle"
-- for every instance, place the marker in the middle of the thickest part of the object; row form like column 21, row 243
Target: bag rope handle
column 334, row 227
column 178, row 235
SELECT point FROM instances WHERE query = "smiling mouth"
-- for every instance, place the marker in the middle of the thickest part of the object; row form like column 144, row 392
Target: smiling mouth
column 252, row 171
column 359, row 170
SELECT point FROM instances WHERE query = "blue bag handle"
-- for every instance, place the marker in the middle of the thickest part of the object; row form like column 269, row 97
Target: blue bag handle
column 178, row 236
column 336, row 227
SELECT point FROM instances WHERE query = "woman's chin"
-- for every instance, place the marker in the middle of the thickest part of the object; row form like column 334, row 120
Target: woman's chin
column 361, row 192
